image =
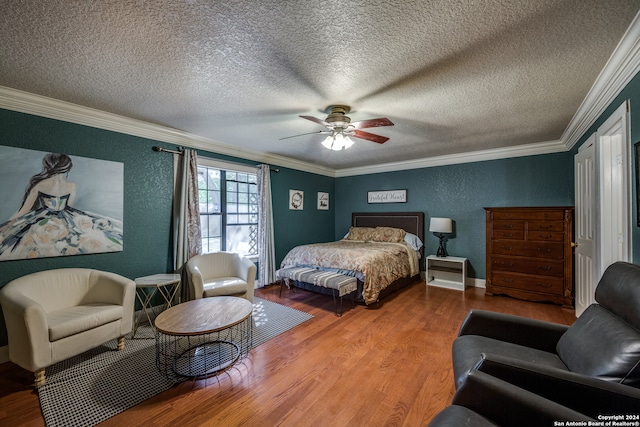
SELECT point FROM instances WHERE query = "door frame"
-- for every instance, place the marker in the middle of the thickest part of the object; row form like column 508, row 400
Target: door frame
column 609, row 153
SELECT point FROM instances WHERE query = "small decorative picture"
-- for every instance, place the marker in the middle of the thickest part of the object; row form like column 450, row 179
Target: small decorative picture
column 323, row 201
column 296, row 200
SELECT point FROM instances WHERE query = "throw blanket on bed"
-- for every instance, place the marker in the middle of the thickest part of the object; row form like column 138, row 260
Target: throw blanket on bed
column 377, row 264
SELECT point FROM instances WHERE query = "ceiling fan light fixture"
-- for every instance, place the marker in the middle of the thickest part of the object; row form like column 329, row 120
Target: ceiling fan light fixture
column 341, row 128
column 337, row 141
column 328, row 142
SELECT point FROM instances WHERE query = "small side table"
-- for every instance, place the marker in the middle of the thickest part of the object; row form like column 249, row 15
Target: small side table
column 166, row 285
column 447, row 272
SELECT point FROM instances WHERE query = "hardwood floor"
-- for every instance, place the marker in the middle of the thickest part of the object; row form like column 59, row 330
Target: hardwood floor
column 386, row 366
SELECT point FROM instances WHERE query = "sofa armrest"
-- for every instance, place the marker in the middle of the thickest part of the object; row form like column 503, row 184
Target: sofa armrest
column 196, row 281
column 514, row 329
column 508, row 405
column 27, row 330
column 112, row 288
column 248, row 271
column 587, row 395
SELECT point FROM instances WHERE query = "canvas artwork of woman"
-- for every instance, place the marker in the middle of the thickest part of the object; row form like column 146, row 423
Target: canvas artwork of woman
column 47, row 224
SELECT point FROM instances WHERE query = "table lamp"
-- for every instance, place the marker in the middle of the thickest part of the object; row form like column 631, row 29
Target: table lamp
column 441, row 226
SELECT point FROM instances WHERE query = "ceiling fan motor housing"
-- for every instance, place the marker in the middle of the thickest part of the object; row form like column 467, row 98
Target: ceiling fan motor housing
column 337, row 115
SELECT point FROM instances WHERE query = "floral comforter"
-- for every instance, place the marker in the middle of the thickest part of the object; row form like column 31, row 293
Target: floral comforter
column 376, row 264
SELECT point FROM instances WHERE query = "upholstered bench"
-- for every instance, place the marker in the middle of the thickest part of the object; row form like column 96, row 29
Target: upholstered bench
column 339, row 283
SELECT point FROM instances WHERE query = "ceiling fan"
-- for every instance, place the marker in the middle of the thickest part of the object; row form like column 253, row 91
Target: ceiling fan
column 340, row 128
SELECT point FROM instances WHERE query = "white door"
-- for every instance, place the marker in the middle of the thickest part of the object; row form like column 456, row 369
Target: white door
column 602, row 205
column 614, row 207
column 585, row 203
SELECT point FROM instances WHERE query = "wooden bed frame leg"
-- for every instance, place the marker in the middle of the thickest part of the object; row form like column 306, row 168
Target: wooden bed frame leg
column 40, row 378
column 120, row 343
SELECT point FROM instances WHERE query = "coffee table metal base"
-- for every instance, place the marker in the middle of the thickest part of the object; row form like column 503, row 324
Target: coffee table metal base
column 205, row 355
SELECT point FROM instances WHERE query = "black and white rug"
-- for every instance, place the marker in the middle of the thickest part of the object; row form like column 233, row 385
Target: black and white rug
column 91, row 387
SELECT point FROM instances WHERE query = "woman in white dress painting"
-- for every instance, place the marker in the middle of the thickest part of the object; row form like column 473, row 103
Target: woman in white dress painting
column 47, row 225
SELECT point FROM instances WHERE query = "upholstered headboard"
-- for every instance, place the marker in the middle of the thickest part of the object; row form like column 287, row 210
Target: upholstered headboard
column 412, row 222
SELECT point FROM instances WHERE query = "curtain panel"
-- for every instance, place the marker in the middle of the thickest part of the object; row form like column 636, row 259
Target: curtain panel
column 186, row 215
column 266, row 248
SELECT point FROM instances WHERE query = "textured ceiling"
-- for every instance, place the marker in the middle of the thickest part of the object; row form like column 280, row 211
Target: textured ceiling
column 453, row 76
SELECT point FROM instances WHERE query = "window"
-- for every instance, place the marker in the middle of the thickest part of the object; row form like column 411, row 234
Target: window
column 228, row 208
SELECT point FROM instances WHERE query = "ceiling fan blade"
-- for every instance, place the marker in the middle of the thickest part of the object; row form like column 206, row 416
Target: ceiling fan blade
column 372, row 123
column 316, row 120
column 369, row 136
column 308, row 133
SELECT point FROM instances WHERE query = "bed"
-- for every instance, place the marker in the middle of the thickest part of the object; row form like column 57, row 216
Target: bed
column 382, row 250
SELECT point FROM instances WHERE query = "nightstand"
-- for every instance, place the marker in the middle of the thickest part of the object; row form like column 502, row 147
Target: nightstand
column 447, row 272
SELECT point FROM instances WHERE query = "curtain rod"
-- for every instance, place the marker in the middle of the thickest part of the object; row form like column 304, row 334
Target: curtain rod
column 181, row 151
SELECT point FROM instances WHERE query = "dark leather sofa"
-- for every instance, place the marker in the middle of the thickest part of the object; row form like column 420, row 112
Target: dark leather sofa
column 604, row 342
column 502, row 392
column 511, row 370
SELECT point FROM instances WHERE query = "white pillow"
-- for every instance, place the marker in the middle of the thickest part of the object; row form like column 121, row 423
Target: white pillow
column 413, row 240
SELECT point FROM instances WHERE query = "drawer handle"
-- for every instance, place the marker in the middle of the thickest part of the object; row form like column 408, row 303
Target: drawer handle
column 548, row 268
column 548, row 250
column 545, row 227
column 510, row 248
column 546, row 286
column 506, row 235
column 507, row 280
column 504, row 264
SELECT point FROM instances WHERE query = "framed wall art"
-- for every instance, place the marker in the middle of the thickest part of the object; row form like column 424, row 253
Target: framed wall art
column 56, row 204
column 296, row 200
column 388, row 196
column 323, row 201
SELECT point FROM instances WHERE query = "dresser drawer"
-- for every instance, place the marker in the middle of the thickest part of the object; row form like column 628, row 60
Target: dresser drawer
column 508, row 225
column 524, row 214
column 549, row 236
column 528, row 266
column 551, row 285
column 545, row 226
column 534, row 249
column 508, row 234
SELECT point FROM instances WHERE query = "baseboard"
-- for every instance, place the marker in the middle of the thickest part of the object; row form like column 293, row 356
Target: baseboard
column 476, row 283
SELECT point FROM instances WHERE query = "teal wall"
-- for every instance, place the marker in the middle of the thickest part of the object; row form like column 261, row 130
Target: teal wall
column 148, row 184
column 460, row 192
column 310, row 225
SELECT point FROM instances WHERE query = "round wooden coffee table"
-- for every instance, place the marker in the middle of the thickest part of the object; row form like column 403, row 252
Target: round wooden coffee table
column 203, row 337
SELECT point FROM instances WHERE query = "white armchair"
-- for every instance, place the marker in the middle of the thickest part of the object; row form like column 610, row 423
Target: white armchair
column 56, row 314
column 220, row 273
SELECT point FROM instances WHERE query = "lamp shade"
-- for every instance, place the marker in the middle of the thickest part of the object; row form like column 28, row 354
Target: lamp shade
column 440, row 225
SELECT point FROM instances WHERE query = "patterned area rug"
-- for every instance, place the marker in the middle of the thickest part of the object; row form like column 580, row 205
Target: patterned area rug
column 89, row 388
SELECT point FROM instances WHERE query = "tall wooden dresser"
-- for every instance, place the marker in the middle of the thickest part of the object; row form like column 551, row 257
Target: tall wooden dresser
column 529, row 253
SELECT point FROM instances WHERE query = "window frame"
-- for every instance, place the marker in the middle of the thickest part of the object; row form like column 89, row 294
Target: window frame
column 232, row 167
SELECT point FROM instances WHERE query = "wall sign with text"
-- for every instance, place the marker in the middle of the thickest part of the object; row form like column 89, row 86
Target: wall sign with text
column 390, row 196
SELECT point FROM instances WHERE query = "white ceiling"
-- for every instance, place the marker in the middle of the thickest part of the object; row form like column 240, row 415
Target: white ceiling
column 454, row 76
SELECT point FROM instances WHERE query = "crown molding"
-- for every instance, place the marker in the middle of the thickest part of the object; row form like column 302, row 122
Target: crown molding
column 25, row 102
column 622, row 66
column 459, row 158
